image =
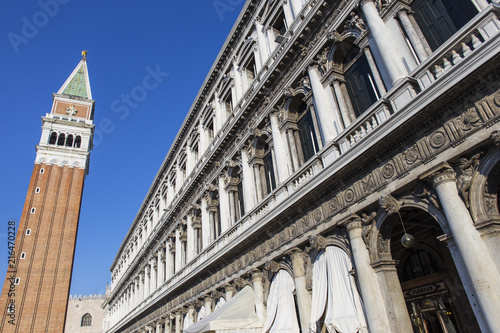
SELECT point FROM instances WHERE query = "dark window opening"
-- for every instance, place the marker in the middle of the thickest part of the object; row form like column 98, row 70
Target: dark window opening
column 307, row 134
column 78, row 141
column 69, row 141
column 86, row 320
column 361, row 86
column 269, row 170
column 440, row 19
column 62, row 138
column 53, row 138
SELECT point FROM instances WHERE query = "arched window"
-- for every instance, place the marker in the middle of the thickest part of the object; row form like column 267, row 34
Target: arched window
column 78, row 141
column 53, row 138
column 69, row 141
column 86, row 320
column 62, row 138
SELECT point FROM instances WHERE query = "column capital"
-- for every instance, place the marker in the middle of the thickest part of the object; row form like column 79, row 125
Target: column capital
column 353, row 222
column 440, row 174
column 257, row 275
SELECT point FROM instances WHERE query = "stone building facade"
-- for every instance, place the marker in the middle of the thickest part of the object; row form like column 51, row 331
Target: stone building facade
column 344, row 154
column 85, row 314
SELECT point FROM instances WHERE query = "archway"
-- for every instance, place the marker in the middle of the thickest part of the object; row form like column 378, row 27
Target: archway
column 432, row 289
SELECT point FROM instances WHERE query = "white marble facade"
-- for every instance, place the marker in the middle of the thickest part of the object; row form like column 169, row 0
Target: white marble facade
column 323, row 124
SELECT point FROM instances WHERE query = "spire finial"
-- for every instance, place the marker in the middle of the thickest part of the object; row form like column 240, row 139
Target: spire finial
column 84, row 54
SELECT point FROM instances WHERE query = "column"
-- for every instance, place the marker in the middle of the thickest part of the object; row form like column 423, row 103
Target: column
column 224, row 205
column 171, row 192
column 190, row 313
column 205, row 222
column 287, row 10
column 326, row 108
column 414, row 38
column 391, row 62
column 203, row 144
column 293, row 148
column 140, row 288
column 248, row 184
column 171, row 259
column 147, row 277
column 348, row 115
column 296, row 7
column 154, row 271
column 481, row 4
column 158, row 326
column 178, row 322
column 229, row 291
column 137, row 290
column 261, row 40
column 392, row 293
column 374, row 69
column 232, row 207
column 478, row 262
column 178, row 249
column 190, row 238
column 280, row 149
column 258, row 289
column 238, row 85
column 376, row 314
column 303, row 296
column 161, row 267
column 208, row 305
column 258, row 181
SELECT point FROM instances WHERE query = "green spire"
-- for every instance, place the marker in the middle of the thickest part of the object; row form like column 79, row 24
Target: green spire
column 77, row 86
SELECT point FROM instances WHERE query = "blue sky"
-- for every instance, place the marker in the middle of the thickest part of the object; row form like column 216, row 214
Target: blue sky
column 40, row 44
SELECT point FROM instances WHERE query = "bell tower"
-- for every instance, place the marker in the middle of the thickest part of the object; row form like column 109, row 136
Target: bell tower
column 36, row 289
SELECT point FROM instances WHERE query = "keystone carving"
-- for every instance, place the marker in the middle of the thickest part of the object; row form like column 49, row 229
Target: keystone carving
column 389, row 204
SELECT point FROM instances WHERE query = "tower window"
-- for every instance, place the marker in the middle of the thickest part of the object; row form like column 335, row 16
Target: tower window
column 33, row 210
column 17, row 281
column 86, row 320
column 69, row 141
column 62, row 138
column 28, row 232
column 37, row 190
column 78, row 141
column 23, row 255
column 53, row 138
column 42, row 170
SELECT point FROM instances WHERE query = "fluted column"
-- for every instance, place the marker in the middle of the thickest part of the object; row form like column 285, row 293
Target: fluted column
column 478, row 262
column 390, row 60
column 238, row 85
column 303, row 296
column 376, row 314
column 326, row 108
column 292, row 144
column 287, row 11
column 258, row 182
column 258, row 289
column 481, row 4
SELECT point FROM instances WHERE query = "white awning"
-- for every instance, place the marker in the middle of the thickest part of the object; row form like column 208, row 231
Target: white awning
column 238, row 314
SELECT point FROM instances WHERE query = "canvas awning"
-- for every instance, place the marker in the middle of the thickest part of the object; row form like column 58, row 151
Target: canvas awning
column 237, row 314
